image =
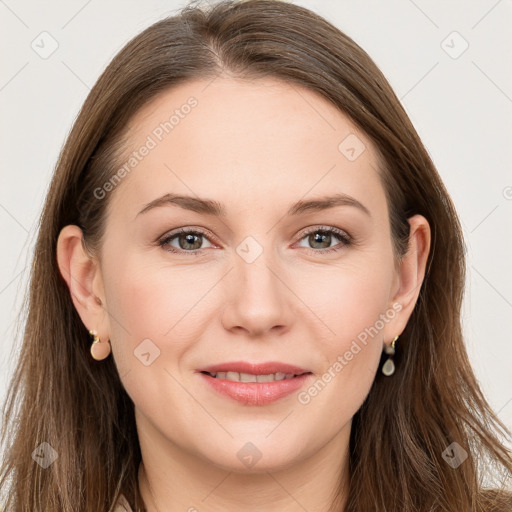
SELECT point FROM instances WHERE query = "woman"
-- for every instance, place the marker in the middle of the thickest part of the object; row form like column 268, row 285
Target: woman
column 246, row 290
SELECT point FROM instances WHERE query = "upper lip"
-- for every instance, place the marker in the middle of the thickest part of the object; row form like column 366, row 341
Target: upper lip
column 254, row 368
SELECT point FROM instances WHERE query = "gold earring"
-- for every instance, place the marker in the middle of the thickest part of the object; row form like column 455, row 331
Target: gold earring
column 388, row 368
column 99, row 349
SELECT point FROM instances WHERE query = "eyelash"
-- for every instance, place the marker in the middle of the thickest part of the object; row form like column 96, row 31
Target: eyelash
column 345, row 238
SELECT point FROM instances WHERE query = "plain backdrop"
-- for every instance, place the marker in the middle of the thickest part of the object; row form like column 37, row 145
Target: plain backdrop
column 449, row 63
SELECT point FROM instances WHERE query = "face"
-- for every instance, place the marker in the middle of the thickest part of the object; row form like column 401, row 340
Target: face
column 261, row 280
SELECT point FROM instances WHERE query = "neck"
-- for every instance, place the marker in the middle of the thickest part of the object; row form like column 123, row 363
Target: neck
column 173, row 480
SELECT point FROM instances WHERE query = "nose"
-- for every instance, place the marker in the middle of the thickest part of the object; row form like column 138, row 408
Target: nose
column 258, row 298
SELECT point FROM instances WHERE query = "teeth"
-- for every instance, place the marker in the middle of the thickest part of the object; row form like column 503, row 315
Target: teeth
column 265, row 378
column 249, row 377
column 244, row 377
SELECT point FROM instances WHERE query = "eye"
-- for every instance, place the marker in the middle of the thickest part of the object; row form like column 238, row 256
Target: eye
column 320, row 239
column 191, row 240
column 187, row 240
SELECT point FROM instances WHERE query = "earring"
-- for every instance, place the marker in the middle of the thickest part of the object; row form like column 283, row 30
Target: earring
column 388, row 368
column 99, row 349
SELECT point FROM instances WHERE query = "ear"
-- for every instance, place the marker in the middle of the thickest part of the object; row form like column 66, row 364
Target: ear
column 82, row 274
column 409, row 277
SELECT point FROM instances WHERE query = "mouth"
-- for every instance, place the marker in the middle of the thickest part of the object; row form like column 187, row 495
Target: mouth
column 255, row 383
column 251, row 377
column 244, row 371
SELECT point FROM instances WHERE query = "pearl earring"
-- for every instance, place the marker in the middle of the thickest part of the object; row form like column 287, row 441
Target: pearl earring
column 388, row 368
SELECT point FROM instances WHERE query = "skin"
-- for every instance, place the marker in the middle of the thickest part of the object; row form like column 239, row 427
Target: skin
column 256, row 147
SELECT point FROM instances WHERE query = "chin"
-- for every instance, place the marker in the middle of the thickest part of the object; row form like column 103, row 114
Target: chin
column 254, row 457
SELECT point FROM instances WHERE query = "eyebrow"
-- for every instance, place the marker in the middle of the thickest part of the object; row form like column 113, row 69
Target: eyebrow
column 211, row 207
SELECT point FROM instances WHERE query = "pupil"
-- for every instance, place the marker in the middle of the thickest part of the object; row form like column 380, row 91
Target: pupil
column 189, row 240
column 320, row 238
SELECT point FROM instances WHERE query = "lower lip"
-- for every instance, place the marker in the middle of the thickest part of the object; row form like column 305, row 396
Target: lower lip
column 256, row 393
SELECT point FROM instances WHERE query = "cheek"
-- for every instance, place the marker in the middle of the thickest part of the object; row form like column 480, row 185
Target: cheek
column 350, row 304
column 142, row 300
column 157, row 302
column 348, row 298
column 153, row 323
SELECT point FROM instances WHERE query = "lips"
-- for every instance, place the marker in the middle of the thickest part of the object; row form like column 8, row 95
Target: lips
column 254, row 368
column 255, row 383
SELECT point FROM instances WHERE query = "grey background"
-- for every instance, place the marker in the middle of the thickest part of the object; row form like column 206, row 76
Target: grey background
column 459, row 101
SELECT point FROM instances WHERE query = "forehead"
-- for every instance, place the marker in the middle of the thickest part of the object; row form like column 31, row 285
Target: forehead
column 242, row 142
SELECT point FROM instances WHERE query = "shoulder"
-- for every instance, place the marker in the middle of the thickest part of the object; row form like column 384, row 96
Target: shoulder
column 122, row 505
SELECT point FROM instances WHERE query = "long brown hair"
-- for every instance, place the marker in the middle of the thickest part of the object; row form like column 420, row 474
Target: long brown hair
column 60, row 396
